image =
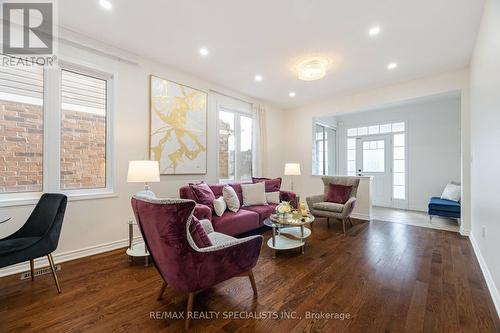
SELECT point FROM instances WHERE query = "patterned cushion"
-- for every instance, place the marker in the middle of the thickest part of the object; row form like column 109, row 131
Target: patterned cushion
column 218, row 239
column 329, row 206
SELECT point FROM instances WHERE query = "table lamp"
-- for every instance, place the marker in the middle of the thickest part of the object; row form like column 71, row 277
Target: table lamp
column 143, row 172
column 292, row 169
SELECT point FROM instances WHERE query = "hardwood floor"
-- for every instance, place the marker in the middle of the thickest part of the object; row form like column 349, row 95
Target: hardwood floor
column 387, row 277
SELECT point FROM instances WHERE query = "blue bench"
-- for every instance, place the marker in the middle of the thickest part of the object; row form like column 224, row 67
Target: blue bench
column 443, row 207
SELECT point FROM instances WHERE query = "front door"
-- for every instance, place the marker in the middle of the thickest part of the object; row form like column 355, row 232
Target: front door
column 374, row 159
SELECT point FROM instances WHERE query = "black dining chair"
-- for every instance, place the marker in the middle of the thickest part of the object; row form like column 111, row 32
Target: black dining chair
column 38, row 237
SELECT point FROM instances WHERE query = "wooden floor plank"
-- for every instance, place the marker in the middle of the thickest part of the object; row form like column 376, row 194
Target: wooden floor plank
column 385, row 277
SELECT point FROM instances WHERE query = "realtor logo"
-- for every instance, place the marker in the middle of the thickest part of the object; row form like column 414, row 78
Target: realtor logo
column 28, row 28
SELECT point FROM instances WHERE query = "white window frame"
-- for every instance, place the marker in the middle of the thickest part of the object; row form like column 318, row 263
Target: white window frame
column 52, row 143
column 237, row 138
column 327, row 161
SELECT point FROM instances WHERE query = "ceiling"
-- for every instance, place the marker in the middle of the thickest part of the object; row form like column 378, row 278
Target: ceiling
column 246, row 38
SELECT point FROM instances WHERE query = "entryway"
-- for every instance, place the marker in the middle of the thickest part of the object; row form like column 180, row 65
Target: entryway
column 411, row 217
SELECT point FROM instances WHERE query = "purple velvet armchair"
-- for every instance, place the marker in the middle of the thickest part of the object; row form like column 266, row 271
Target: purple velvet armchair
column 165, row 225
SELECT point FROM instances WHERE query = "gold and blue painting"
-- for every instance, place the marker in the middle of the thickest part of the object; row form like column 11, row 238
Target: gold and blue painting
column 178, row 128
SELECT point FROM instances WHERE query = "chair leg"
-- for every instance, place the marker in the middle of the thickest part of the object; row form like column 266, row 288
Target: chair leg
column 252, row 281
column 189, row 310
column 32, row 269
column 53, row 267
column 328, row 222
column 162, row 290
column 343, row 225
column 350, row 221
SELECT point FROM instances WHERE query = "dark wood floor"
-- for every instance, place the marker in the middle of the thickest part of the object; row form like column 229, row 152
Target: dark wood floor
column 387, row 277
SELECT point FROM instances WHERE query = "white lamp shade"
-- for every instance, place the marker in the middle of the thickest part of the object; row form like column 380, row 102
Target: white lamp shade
column 292, row 169
column 143, row 172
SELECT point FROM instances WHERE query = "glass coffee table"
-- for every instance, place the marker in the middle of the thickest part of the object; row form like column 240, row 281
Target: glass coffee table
column 288, row 233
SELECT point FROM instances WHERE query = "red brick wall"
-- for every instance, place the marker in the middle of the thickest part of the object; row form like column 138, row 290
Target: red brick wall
column 83, row 150
column 21, row 139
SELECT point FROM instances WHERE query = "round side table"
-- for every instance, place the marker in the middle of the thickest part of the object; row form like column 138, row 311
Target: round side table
column 136, row 250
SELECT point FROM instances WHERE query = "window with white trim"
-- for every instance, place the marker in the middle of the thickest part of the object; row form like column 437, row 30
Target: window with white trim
column 35, row 104
column 324, row 147
column 235, row 146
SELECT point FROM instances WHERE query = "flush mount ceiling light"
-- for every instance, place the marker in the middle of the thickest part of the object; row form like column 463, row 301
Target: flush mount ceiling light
column 204, row 51
column 105, row 4
column 311, row 69
column 291, row 94
column 374, row 31
column 258, row 78
column 392, row 65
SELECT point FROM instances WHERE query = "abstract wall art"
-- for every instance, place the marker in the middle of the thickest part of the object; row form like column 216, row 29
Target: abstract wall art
column 178, row 129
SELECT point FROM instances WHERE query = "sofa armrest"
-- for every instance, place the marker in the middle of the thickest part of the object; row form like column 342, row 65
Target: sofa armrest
column 290, row 197
column 202, row 212
column 314, row 199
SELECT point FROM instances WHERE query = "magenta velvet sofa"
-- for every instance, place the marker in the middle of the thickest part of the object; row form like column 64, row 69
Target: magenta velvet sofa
column 230, row 223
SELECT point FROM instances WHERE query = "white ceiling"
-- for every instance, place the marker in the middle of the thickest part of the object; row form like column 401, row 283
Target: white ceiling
column 249, row 37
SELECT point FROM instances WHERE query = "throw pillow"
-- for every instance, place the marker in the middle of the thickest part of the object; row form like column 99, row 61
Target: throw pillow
column 203, row 194
column 273, row 197
column 272, row 185
column 198, row 234
column 253, row 194
column 451, row 192
column 231, row 198
column 338, row 193
column 220, row 206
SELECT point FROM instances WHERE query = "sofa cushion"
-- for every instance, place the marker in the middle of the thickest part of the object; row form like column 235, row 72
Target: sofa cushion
column 272, row 185
column 199, row 234
column 231, row 198
column 338, row 193
column 220, row 206
column 203, row 194
column 329, row 206
column 452, row 192
column 254, row 194
column 438, row 204
column 231, row 223
column 273, row 197
column 263, row 211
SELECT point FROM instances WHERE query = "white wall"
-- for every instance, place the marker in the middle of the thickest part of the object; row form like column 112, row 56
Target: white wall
column 298, row 121
column 90, row 224
column 485, row 143
column 433, row 143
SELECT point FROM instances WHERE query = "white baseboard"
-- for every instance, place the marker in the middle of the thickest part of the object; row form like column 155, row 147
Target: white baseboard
column 67, row 256
column 487, row 275
column 361, row 216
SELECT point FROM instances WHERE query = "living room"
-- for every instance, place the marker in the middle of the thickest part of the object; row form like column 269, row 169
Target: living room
column 215, row 105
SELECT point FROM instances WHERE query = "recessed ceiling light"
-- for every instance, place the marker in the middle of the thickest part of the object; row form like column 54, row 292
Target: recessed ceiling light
column 311, row 69
column 291, row 94
column 105, row 4
column 392, row 65
column 374, row 31
column 203, row 51
column 258, row 78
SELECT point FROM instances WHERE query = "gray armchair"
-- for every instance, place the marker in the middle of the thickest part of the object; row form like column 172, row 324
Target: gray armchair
column 321, row 208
